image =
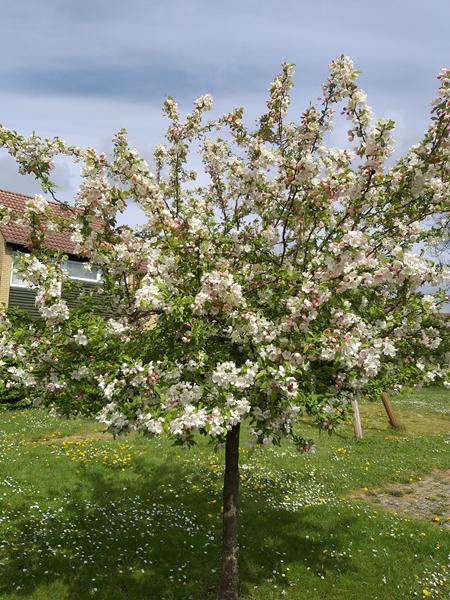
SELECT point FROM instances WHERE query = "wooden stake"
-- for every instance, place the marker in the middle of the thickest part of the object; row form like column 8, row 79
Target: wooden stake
column 357, row 420
column 394, row 422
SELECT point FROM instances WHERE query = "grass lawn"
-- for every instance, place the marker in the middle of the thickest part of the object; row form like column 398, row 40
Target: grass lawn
column 85, row 516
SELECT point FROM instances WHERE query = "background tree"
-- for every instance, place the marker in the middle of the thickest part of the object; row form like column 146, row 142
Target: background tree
column 281, row 281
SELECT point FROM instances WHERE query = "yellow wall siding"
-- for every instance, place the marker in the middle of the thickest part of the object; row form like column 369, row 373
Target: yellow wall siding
column 5, row 271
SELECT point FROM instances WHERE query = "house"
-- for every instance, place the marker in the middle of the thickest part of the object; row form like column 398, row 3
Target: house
column 14, row 291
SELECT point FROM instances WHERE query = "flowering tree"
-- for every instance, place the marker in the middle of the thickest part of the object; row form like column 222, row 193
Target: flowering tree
column 282, row 281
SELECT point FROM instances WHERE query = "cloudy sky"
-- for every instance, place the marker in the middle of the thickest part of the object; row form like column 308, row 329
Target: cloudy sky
column 82, row 69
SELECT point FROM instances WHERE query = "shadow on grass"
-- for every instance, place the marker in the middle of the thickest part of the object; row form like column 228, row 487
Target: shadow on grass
column 154, row 536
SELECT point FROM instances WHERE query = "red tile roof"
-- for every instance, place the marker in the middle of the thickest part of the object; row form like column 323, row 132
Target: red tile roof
column 16, row 234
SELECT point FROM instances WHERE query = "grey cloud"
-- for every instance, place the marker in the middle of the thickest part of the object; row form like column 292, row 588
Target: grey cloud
column 10, row 179
column 82, row 69
column 204, row 34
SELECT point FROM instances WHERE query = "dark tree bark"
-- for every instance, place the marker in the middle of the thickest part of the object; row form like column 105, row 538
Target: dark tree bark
column 229, row 578
column 395, row 423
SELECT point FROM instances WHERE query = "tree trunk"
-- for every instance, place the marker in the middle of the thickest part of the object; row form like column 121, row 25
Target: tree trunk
column 357, row 420
column 229, row 578
column 395, row 423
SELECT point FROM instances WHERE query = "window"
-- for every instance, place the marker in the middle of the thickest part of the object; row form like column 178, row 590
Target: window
column 81, row 271
column 16, row 279
column 75, row 270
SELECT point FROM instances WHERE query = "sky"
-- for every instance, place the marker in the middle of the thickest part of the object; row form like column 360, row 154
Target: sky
column 82, row 69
